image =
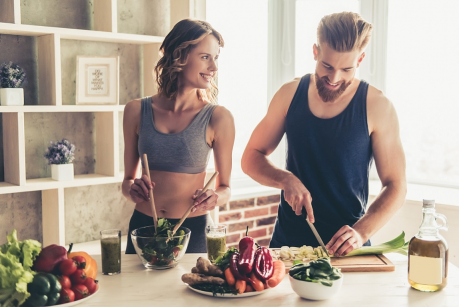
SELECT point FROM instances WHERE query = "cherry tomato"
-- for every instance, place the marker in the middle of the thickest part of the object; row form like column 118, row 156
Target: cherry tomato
column 81, row 261
column 67, row 296
column 154, row 260
column 80, row 291
column 176, row 251
column 91, row 284
column 67, row 267
column 65, row 282
column 78, row 278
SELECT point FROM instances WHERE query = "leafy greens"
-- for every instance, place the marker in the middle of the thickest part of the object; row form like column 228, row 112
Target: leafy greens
column 16, row 260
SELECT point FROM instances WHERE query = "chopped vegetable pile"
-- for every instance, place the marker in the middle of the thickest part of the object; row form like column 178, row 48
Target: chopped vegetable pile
column 307, row 253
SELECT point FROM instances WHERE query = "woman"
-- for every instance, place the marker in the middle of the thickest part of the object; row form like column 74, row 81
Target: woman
column 177, row 128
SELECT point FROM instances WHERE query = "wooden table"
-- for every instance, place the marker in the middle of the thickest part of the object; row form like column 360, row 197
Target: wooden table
column 137, row 287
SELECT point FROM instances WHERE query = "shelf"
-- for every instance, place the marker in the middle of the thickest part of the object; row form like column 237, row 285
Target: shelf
column 76, row 34
column 41, row 184
column 61, row 108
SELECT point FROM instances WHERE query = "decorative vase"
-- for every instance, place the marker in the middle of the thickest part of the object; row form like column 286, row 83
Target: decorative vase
column 11, row 96
column 62, row 172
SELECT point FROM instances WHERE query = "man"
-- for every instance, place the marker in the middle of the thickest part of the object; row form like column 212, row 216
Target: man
column 335, row 126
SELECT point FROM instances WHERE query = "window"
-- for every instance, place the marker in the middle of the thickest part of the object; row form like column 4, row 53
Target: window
column 422, row 82
column 242, row 75
column 413, row 57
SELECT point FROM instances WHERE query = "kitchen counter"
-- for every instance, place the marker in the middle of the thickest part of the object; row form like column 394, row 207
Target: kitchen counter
column 137, row 287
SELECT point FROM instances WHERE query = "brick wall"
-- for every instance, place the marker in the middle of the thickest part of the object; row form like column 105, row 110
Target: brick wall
column 257, row 213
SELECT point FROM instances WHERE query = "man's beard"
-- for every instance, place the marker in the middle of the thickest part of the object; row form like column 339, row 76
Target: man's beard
column 326, row 94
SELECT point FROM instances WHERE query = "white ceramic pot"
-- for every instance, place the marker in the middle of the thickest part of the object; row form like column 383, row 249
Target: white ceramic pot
column 11, row 96
column 62, row 172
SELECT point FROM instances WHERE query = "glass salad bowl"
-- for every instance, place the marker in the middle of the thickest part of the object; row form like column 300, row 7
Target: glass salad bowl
column 158, row 251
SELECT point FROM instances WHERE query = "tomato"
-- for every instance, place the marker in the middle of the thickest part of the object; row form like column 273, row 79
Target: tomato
column 91, row 284
column 65, row 282
column 176, row 251
column 67, row 267
column 67, row 296
column 81, row 261
column 80, row 291
column 78, row 278
column 154, row 260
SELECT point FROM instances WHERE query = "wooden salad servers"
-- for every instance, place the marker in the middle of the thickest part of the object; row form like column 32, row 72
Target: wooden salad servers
column 152, row 202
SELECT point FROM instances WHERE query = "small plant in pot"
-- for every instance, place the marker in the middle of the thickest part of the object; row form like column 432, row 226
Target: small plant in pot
column 60, row 156
column 12, row 78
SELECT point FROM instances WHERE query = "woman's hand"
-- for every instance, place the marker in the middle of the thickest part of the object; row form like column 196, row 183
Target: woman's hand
column 206, row 201
column 139, row 190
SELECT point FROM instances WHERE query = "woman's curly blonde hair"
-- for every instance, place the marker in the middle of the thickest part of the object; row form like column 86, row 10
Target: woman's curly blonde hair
column 176, row 46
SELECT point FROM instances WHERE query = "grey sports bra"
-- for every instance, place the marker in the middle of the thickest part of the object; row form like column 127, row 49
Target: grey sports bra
column 183, row 152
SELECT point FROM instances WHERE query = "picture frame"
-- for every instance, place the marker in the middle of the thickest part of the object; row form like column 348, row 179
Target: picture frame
column 97, row 80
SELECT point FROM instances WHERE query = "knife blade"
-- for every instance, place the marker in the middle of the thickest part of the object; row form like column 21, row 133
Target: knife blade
column 315, row 232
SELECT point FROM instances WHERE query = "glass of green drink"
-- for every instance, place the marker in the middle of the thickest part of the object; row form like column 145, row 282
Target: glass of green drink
column 215, row 241
column 111, row 251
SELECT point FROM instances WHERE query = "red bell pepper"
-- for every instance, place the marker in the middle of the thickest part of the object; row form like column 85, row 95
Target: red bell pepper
column 49, row 258
column 264, row 263
column 247, row 253
column 235, row 272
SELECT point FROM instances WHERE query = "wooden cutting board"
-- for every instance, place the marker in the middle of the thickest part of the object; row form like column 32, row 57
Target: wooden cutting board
column 365, row 263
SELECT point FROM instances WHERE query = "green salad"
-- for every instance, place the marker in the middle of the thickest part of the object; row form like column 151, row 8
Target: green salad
column 161, row 248
column 319, row 271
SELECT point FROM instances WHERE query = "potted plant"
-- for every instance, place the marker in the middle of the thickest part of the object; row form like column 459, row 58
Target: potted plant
column 60, row 155
column 12, row 77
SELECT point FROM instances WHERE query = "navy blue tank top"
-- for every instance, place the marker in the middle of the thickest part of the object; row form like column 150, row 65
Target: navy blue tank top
column 332, row 158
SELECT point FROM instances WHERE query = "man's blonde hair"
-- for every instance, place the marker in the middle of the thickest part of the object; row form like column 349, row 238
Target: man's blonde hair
column 344, row 32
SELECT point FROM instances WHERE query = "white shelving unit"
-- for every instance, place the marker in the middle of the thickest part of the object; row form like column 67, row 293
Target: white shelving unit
column 50, row 98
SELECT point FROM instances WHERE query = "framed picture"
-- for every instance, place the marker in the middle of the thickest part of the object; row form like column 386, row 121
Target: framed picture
column 97, row 80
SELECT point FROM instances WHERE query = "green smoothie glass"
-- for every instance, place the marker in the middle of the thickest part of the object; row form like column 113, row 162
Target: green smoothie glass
column 216, row 241
column 111, row 251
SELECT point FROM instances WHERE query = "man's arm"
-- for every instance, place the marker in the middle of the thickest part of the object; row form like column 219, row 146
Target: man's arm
column 391, row 168
column 263, row 142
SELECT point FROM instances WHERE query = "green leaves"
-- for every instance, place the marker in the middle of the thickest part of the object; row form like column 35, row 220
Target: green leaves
column 16, row 260
column 397, row 245
column 224, row 261
column 318, row 271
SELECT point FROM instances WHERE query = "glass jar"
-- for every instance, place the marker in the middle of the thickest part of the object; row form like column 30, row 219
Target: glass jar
column 428, row 252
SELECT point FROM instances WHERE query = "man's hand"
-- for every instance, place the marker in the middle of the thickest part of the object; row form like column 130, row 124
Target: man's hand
column 206, row 201
column 298, row 197
column 344, row 241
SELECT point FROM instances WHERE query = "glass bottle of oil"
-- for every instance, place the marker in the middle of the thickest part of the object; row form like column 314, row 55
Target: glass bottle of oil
column 428, row 252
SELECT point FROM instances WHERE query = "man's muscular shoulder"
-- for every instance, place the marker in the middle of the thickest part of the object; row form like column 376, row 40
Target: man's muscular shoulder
column 283, row 97
column 380, row 110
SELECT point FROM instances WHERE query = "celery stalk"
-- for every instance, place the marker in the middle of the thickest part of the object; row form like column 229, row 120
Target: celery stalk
column 397, row 245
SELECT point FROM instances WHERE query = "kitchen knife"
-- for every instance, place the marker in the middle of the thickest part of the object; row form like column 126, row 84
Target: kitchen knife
column 320, row 241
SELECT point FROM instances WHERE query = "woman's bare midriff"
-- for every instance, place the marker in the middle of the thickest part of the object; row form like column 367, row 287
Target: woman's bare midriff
column 173, row 194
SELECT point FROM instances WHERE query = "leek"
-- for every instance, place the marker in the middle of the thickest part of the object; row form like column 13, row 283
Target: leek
column 397, row 245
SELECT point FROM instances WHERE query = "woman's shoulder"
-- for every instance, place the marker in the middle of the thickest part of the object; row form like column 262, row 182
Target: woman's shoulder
column 221, row 117
column 132, row 110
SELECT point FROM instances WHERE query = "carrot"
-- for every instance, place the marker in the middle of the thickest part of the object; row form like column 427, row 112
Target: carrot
column 240, row 285
column 279, row 271
column 229, row 277
column 258, row 285
column 249, row 288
